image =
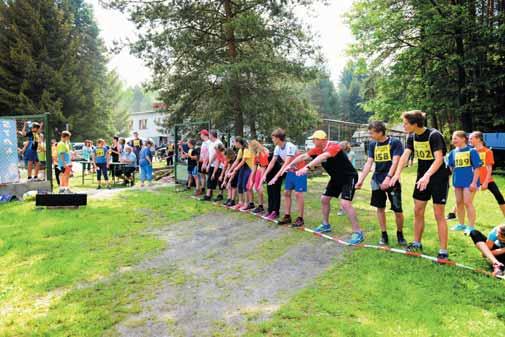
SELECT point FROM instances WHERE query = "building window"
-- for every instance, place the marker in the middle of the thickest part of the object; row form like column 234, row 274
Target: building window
column 142, row 124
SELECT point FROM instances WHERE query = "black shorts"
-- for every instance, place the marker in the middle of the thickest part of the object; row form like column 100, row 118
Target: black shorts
column 479, row 237
column 200, row 168
column 394, row 194
column 343, row 188
column 212, row 183
column 437, row 189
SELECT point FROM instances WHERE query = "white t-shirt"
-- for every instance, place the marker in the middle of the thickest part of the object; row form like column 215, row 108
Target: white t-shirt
column 289, row 150
column 204, row 150
column 212, row 150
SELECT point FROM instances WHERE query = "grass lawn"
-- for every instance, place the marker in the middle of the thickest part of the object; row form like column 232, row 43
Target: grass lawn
column 375, row 293
column 65, row 272
column 68, row 272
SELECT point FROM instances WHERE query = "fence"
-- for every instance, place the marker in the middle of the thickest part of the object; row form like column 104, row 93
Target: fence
column 18, row 149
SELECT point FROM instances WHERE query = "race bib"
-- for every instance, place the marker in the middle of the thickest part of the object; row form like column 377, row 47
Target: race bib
column 423, row 150
column 382, row 153
column 99, row 152
column 462, row 159
column 136, row 143
column 482, row 156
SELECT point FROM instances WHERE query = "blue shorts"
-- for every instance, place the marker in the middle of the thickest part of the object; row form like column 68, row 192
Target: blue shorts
column 294, row 182
column 193, row 171
column 31, row 155
column 146, row 171
column 243, row 178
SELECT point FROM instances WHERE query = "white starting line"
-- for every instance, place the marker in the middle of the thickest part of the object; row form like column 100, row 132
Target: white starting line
column 383, row 248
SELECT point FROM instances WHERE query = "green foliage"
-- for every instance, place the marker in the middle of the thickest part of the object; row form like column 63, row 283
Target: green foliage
column 52, row 60
column 236, row 63
column 444, row 57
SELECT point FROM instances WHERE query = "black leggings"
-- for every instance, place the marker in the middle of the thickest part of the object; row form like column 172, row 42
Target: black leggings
column 274, row 191
column 493, row 188
column 57, row 174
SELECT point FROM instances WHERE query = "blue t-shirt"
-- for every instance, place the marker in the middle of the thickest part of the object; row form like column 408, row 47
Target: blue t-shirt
column 144, row 154
column 101, row 154
column 463, row 162
column 382, row 154
column 131, row 157
column 493, row 236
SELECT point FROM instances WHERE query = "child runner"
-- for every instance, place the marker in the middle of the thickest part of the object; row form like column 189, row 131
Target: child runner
column 220, row 164
column 274, row 166
column 210, row 168
column 432, row 177
column 146, row 163
column 385, row 152
column 256, row 179
column 232, row 176
column 115, row 152
column 101, row 160
column 343, row 178
column 465, row 164
column 243, row 169
column 493, row 247
column 87, row 153
column 30, row 154
column 486, row 170
column 136, row 144
column 287, row 151
column 41, row 154
column 193, row 153
column 64, row 161
column 347, row 149
column 224, row 178
column 54, row 155
column 204, row 159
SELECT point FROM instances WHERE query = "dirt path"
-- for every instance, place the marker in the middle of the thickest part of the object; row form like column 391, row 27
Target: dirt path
column 233, row 268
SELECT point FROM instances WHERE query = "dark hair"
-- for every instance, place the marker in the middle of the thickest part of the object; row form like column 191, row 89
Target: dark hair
column 220, row 147
column 213, row 133
column 377, row 126
column 115, row 138
column 192, row 142
column 415, row 117
column 241, row 141
column 279, row 133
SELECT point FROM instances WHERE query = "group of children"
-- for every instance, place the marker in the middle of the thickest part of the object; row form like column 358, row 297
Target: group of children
column 243, row 169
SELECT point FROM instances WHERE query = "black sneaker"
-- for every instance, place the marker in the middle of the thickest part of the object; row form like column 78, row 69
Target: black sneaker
column 443, row 257
column 384, row 241
column 286, row 220
column 401, row 239
column 249, row 207
column 414, row 248
column 232, row 203
column 258, row 209
column 206, row 198
column 451, row 216
column 227, row 202
column 298, row 222
column 99, row 187
column 218, row 198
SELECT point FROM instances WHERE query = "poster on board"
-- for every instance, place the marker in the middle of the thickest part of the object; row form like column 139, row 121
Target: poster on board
column 9, row 160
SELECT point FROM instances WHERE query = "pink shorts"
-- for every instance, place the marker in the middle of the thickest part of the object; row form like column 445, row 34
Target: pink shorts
column 255, row 181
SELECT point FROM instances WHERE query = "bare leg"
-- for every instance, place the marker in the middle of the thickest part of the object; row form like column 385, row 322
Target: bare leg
column 470, row 210
column 460, row 205
column 381, row 216
column 325, row 208
column 287, row 200
column 300, row 203
column 419, row 208
column 486, row 251
column 399, row 221
column 351, row 214
column 443, row 235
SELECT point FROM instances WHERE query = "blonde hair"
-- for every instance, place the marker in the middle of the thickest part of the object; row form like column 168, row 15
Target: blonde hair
column 255, row 147
column 460, row 134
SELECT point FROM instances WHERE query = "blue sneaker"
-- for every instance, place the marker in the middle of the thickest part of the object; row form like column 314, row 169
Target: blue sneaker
column 459, row 228
column 322, row 228
column 356, row 238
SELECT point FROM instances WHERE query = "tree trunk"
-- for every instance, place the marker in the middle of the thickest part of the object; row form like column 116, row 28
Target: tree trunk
column 235, row 79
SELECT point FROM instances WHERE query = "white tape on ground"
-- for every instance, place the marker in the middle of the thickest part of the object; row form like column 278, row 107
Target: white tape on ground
column 383, row 248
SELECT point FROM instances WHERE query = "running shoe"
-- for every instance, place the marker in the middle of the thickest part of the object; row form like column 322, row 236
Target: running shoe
column 323, row 228
column 206, row 198
column 443, row 256
column 451, row 216
column 232, row 203
column 498, row 269
column 99, row 187
column 469, row 229
column 356, row 238
column 218, row 198
column 459, row 228
column 247, row 208
column 238, row 206
column 258, row 210
column 414, row 247
column 298, row 222
column 384, row 241
column 272, row 216
column 401, row 239
column 286, row 220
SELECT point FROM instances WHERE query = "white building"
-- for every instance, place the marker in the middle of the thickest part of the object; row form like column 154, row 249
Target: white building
column 148, row 125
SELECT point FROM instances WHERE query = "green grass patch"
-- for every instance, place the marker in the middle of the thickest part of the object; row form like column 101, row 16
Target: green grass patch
column 376, row 293
column 47, row 254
